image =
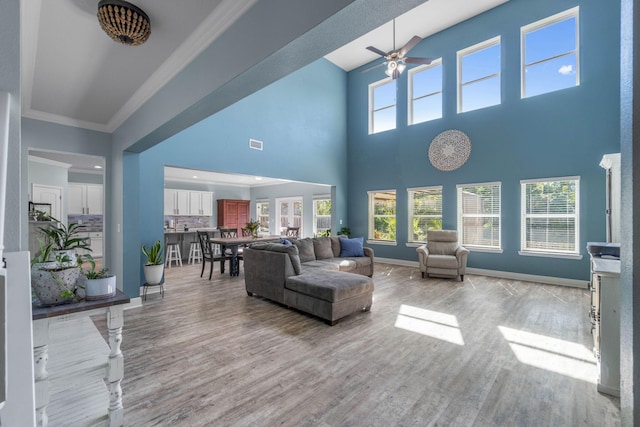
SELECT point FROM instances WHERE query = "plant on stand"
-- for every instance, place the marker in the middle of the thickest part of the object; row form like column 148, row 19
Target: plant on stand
column 154, row 267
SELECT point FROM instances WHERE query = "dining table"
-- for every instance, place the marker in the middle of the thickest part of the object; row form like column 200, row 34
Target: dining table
column 233, row 243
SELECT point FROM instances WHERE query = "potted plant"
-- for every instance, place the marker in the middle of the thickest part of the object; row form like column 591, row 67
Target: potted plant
column 97, row 284
column 54, row 282
column 344, row 231
column 65, row 239
column 253, row 227
column 154, row 267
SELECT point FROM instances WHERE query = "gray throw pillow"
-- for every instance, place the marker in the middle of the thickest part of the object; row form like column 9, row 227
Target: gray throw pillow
column 305, row 248
column 322, row 247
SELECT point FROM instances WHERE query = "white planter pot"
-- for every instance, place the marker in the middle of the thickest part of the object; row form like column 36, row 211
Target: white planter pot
column 153, row 273
column 96, row 289
column 49, row 284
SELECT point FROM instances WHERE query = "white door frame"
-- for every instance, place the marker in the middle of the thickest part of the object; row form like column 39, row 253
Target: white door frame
column 290, row 220
column 56, row 212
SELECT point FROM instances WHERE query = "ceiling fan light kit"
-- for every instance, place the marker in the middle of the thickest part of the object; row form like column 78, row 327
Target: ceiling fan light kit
column 124, row 22
column 396, row 61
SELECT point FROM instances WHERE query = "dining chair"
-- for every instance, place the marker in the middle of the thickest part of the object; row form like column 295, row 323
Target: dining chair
column 225, row 233
column 228, row 232
column 209, row 253
column 292, row 232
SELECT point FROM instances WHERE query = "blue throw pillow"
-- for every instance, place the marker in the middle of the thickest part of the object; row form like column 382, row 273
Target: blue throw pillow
column 285, row 242
column 351, row 247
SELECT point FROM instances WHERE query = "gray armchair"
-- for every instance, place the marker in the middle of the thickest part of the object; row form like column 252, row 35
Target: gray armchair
column 442, row 255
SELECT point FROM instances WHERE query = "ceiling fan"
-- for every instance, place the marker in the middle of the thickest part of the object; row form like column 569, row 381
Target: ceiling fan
column 395, row 60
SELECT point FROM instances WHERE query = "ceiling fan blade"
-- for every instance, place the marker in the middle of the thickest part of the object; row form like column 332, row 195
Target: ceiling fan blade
column 410, row 45
column 372, row 67
column 410, row 60
column 376, row 50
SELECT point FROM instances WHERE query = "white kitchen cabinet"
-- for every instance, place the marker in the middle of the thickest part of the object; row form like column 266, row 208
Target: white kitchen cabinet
column 85, row 199
column 176, row 202
column 201, row 203
column 96, row 244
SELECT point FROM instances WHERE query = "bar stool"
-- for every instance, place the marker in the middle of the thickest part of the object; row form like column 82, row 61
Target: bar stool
column 172, row 251
column 195, row 253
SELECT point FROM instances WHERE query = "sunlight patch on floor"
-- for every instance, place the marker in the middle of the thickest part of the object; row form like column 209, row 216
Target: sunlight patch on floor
column 429, row 323
column 552, row 354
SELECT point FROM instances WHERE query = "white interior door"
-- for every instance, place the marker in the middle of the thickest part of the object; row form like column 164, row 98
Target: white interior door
column 289, row 213
column 48, row 194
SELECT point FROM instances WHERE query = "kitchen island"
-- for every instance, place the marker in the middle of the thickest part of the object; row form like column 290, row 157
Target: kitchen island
column 185, row 237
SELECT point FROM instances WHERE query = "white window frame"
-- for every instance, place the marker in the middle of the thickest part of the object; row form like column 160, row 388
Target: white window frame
column 523, row 221
column 461, row 216
column 546, row 22
column 316, row 199
column 411, row 216
column 468, row 51
column 372, row 88
column 258, row 203
column 371, row 197
column 412, row 99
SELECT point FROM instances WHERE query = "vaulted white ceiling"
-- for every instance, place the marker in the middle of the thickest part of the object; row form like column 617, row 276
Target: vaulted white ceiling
column 74, row 74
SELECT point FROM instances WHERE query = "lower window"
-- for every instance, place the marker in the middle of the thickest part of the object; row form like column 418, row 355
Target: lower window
column 382, row 215
column 550, row 215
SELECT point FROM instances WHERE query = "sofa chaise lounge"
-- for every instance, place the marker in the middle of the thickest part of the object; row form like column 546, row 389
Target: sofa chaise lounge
column 311, row 276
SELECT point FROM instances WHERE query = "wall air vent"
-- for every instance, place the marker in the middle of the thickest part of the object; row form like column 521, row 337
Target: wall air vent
column 255, row 144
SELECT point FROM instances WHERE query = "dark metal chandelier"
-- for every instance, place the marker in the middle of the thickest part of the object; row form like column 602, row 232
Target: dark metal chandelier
column 124, row 22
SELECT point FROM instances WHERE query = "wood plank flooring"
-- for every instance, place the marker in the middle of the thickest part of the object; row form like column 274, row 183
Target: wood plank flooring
column 432, row 352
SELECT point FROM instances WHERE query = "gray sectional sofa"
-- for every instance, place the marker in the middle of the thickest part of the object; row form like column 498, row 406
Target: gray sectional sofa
column 311, row 276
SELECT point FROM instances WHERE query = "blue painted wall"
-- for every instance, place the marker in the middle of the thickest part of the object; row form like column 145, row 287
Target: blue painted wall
column 302, row 121
column 563, row 133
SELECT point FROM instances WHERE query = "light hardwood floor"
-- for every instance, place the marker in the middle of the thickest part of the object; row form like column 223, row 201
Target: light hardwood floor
column 485, row 352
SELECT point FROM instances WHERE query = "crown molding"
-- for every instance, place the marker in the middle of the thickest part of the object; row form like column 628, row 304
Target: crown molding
column 63, row 120
column 49, row 162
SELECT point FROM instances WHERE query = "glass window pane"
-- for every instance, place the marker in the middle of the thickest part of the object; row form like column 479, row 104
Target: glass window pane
column 429, row 108
column 384, row 95
column 481, row 63
column 427, row 81
column 384, row 120
column 481, row 94
column 550, row 41
column 550, row 76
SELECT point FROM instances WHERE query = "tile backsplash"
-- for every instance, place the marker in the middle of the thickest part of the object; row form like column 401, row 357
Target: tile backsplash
column 190, row 221
column 92, row 222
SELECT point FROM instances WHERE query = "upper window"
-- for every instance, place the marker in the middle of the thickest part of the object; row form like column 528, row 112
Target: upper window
column 479, row 75
column 382, row 106
column 262, row 215
column 321, row 215
column 479, row 215
column 382, row 215
column 425, row 212
column 425, row 92
column 550, row 215
column 550, row 54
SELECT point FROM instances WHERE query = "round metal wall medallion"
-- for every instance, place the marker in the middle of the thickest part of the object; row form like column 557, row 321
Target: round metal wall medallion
column 449, row 150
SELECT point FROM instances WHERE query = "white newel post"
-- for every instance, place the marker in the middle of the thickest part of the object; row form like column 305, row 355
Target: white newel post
column 115, row 321
column 40, row 374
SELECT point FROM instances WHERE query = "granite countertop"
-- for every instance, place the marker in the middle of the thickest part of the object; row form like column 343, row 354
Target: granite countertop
column 606, row 267
column 191, row 230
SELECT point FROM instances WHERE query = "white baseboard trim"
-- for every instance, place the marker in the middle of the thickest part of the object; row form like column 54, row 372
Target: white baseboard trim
column 501, row 274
